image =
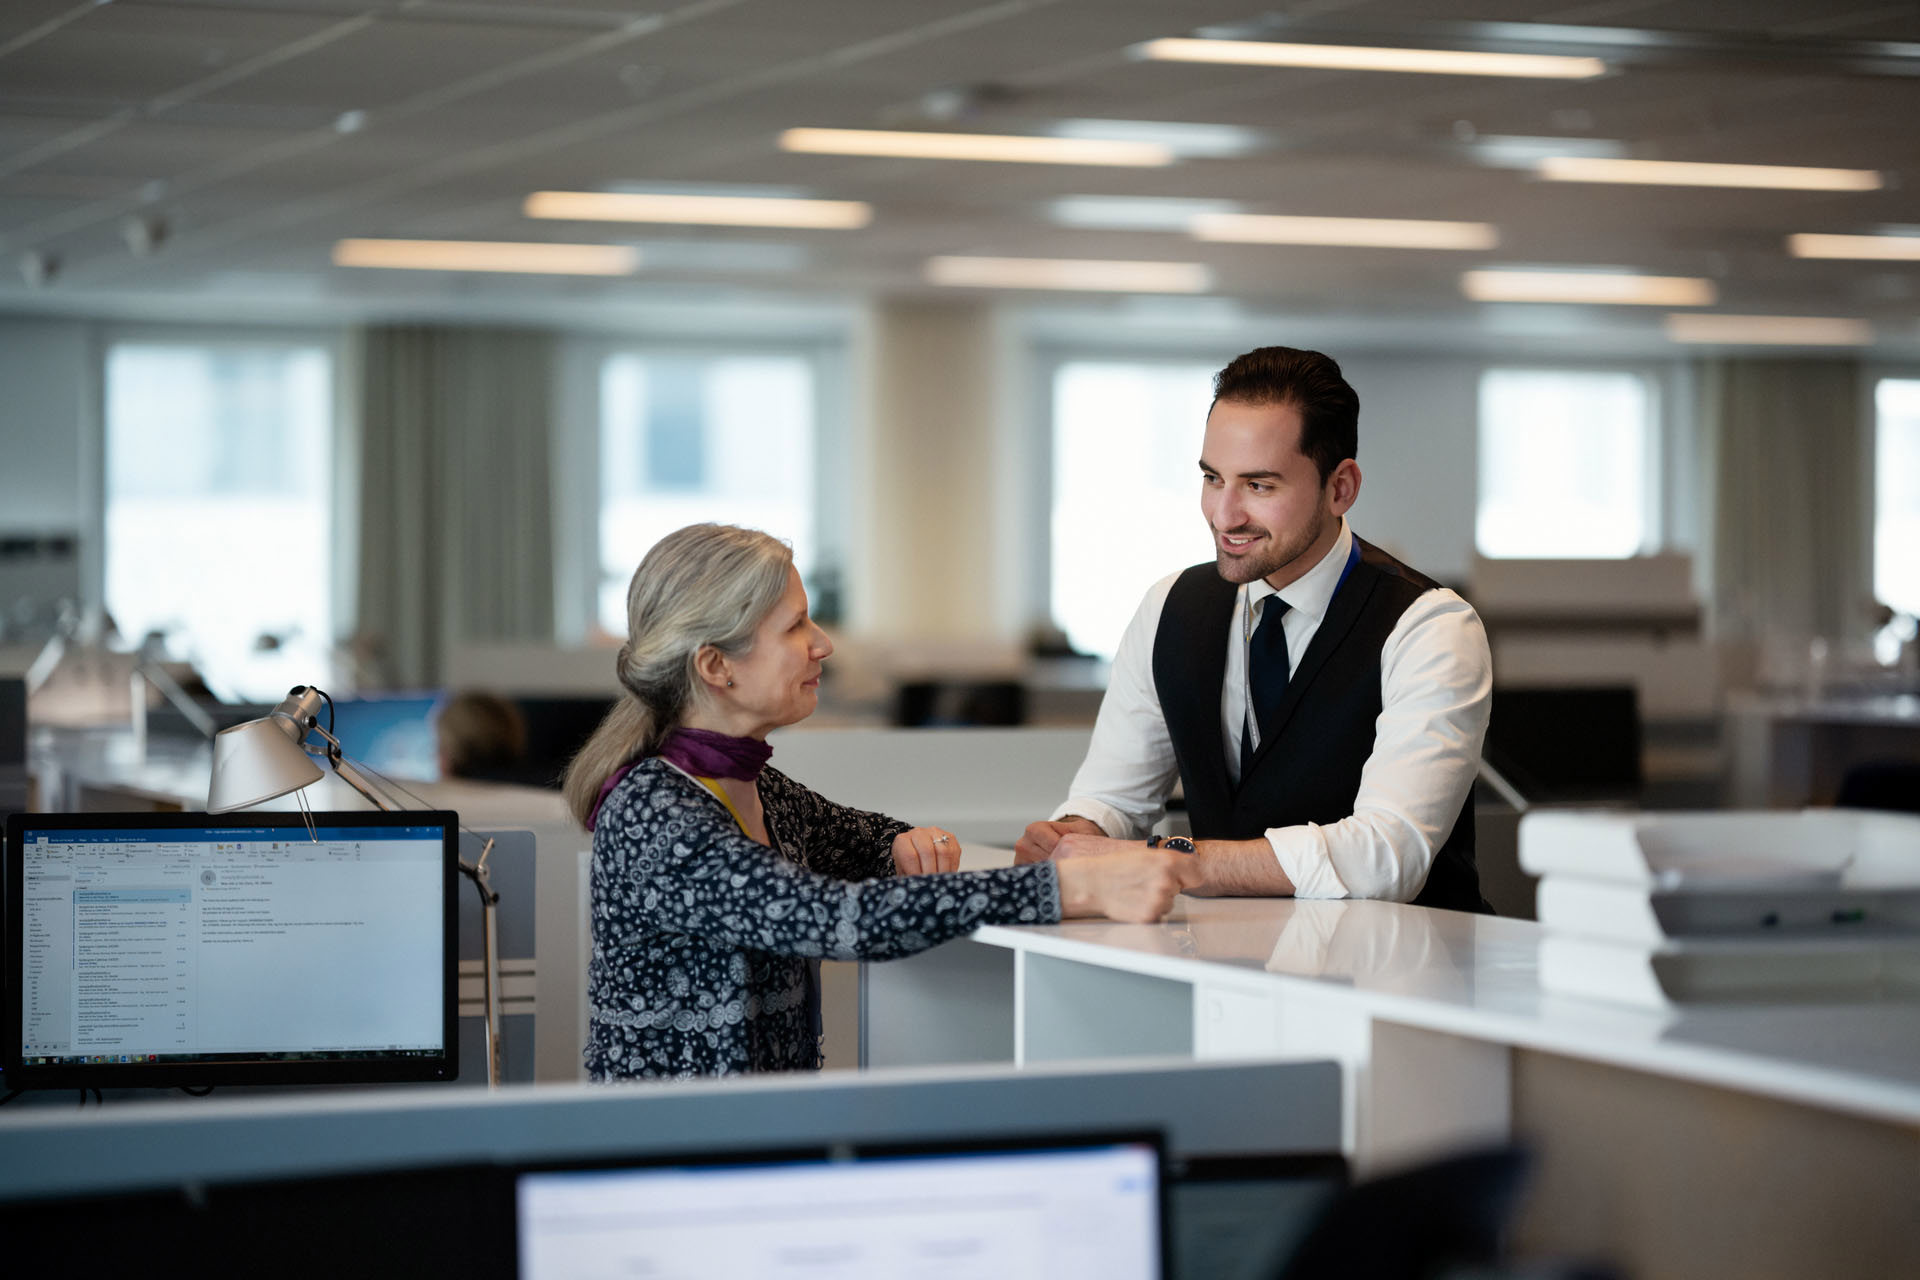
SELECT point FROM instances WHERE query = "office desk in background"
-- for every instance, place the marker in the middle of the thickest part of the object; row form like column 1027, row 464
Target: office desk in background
column 1778, row 1140
column 1790, row 752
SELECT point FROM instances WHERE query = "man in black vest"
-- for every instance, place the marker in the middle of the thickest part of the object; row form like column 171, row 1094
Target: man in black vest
column 1322, row 704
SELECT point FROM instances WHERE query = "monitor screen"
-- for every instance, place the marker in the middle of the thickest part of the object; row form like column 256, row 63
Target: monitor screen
column 393, row 734
column 198, row 949
column 1077, row 1212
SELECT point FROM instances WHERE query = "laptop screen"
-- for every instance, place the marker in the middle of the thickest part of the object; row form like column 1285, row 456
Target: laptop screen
column 1088, row 1212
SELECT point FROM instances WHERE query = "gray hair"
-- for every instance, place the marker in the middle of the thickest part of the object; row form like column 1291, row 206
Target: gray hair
column 706, row 584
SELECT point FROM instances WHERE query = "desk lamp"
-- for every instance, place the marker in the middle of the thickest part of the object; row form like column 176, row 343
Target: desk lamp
column 263, row 759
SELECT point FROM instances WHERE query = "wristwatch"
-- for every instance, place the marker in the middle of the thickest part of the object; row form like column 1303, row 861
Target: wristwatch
column 1179, row 844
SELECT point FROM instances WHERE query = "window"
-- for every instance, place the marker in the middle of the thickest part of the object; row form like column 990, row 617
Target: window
column 1896, row 506
column 688, row 438
column 218, row 502
column 1126, row 490
column 1564, row 460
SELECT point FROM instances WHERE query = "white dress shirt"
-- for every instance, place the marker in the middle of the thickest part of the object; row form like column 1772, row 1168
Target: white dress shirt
column 1436, row 681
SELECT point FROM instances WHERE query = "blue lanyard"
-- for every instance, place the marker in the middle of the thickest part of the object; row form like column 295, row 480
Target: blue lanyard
column 1353, row 558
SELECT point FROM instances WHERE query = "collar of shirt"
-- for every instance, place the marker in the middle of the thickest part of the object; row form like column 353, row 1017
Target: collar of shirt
column 1310, row 593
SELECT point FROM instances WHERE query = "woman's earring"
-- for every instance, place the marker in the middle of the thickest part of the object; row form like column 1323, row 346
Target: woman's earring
column 729, row 684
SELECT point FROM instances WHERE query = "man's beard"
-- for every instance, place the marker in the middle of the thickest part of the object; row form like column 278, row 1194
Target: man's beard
column 1277, row 556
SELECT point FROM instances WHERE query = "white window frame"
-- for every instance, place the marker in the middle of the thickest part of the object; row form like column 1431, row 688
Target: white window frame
column 1668, row 470
column 343, row 484
column 577, row 457
column 1036, row 493
column 1871, row 376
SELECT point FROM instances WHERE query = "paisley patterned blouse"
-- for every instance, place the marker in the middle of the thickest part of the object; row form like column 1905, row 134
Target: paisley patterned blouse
column 701, row 936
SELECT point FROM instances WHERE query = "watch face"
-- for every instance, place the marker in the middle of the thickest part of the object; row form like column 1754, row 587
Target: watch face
column 1180, row 843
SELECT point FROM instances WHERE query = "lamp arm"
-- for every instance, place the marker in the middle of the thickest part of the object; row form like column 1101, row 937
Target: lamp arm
column 159, row 677
column 350, row 773
column 1506, row 790
column 476, row 871
column 46, row 660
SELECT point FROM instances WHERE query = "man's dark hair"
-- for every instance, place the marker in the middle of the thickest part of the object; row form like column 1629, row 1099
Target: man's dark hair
column 1310, row 382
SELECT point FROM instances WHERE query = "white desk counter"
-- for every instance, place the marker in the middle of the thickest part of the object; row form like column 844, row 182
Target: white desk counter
column 1477, row 977
column 1726, row 1139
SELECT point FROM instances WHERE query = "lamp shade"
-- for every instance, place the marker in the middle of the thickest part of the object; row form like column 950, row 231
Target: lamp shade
column 256, row 761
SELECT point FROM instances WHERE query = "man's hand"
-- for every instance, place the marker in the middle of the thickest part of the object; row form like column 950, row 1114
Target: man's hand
column 925, row 850
column 1042, row 838
column 1133, row 883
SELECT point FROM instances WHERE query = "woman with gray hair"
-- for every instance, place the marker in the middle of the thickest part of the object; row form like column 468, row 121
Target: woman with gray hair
column 716, row 880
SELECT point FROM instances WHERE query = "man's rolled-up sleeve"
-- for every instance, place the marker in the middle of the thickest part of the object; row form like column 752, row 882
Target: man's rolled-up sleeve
column 1123, row 784
column 1436, row 684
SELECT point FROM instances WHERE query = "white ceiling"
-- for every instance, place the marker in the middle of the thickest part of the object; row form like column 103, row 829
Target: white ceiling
column 261, row 131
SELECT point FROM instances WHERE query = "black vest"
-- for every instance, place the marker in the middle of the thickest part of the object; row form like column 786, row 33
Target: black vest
column 1308, row 768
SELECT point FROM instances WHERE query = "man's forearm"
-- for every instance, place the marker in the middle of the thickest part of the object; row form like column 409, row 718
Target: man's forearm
column 1240, row 869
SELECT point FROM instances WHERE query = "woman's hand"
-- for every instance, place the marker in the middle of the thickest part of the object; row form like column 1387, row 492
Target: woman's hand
column 924, row 850
column 1134, row 884
column 1042, row 838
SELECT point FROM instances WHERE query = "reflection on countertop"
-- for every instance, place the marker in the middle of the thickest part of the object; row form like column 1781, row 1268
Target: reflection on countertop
column 1478, row 976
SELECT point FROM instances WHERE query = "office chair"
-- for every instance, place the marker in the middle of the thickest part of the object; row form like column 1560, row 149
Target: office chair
column 1427, row 1221
column 1881, row 784
column 1567, row 743
column 924, row 703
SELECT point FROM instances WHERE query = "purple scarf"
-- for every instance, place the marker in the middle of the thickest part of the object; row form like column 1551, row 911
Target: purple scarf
column 702, row 753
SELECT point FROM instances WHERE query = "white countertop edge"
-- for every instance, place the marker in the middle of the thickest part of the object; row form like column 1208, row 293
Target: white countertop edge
column 1824, row 1087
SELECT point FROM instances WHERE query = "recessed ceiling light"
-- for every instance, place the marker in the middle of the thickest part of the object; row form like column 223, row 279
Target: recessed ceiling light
column 1797, row 331
column 1340, row 57
column 489, row 255
column 1875, row 248
column 1070, row 273
column 1686, row 173
column 1005, row 148
column 1607, row 287
column 1373, row 233
column 719, row 211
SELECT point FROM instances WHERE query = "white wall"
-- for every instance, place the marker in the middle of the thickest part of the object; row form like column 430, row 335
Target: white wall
column 1419, row 433
column 45, row 408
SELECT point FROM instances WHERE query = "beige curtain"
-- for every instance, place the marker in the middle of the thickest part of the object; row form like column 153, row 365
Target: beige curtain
column 1790, row 554
column 456, row 540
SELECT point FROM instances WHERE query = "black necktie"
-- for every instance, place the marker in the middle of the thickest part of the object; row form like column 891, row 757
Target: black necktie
column 1266, row 676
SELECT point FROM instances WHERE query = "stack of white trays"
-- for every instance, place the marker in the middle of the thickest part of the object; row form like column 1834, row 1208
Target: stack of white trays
column 1659, row 910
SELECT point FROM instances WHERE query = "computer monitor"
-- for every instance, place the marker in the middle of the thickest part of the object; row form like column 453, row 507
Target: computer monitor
column 198, row 949
column 13, row 721
column 13, row 744
column 390, row 733
column 1087, row 1209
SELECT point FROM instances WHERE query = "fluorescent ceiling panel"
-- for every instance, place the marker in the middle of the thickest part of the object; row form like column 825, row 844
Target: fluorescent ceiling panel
column 1217, row 141
column 1340, row 57
column 1371, row 233
column 1872, row 248
column 1797, row 331
column 727, row 257
column 1133, row 213
column 1608, row 288
column 698, row 210
column 1003, row 148
column 488, row 255
column 1070, row 273
column 1684, row 173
